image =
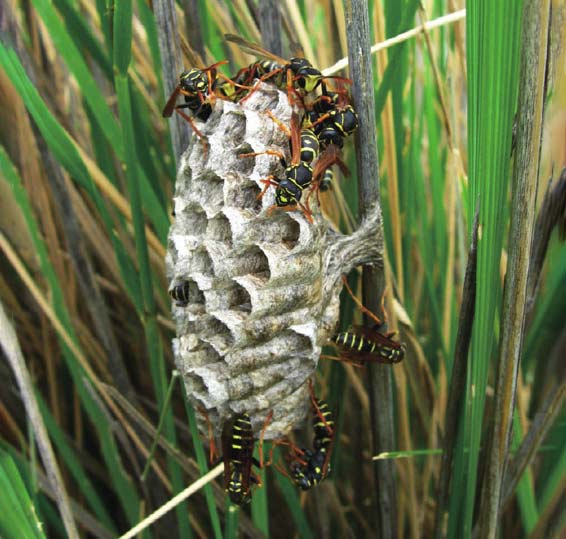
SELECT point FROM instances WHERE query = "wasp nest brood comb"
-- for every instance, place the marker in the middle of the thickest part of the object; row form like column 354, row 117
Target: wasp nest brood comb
column 262, row 285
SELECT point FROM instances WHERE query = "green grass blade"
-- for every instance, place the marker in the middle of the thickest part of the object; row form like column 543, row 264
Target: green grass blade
column 65, row 152
column 19, row 519
column 78, row 67
column 120, row 479
column 75, row 467
column 260, row 513
column 203, row 465
column 493, row 31
column 148, row 20
column 82, row 36
column 525, row 491
column 231, row 524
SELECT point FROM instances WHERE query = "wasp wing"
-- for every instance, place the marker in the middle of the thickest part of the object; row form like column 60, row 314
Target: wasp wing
column 254, row 49
column 171, row 102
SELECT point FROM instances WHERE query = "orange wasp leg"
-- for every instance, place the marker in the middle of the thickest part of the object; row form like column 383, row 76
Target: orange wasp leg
column 343, row 359
column 195, row 129
column 265, row 152
column 268, row 182
column 260, row 80
column 213, row 454
column 261, row 436
column 359, row 303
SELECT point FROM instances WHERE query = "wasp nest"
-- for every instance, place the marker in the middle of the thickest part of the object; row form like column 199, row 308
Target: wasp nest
column 263, row 286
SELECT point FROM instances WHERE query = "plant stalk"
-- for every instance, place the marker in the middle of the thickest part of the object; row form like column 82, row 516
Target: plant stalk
column 373, row 277
column 536, row 15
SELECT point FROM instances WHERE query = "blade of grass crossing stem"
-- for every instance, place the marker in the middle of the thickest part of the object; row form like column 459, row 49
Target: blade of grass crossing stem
column 525, row 492
column 18, row 516
column 260, row 512
column 289, row 492
column 493, row 64
column 121, row 60
column 65, row 152
column 202, row 464
column 121, row 483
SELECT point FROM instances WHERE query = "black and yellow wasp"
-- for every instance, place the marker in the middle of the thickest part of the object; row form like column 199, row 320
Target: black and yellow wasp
column 362, row 345
column 311, row 466
column 299, row 175
column 237, row 454
column 297, row 75
column 373, row 345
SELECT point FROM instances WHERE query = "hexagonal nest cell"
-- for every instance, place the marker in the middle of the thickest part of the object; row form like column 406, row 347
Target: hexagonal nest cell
column 266, row 282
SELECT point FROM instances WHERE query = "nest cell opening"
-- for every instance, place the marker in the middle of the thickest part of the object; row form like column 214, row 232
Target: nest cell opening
column 213, row 193
column 201, row 263
column 218, row 328
column 196, row 296
column 246, row 197
column 235, row 127
column 195, row 220
column 219, row 229
column 244, row 165
column 292, row 231
column 258, row 263
column 240, row 299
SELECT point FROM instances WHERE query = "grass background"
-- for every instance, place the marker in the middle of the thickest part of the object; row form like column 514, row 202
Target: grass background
column 87, row 173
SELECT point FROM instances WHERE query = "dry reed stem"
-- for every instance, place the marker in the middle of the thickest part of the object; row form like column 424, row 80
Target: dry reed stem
column 11, row 346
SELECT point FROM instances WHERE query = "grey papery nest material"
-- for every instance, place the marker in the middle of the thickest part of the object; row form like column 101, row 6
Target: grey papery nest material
column 264, row 286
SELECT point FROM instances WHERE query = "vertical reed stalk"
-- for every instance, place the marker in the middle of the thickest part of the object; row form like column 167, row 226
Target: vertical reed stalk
column 357, row 30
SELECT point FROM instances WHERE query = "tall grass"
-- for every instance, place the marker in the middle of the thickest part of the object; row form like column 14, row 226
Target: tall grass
column 80, row 100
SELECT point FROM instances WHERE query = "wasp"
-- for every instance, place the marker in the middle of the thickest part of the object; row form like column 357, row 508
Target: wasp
column 299, row 175
column 369, row 345
column 237, row 454
column 180, row 293
column 296, row 75
column 374, row 345
column 199, row 87
column 332, row 117
column 311, row 466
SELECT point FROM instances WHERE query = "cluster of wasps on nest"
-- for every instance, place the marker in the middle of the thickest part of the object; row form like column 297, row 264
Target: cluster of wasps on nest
column 316, row 136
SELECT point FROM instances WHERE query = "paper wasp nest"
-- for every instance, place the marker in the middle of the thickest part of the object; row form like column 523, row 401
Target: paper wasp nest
column 263, row 286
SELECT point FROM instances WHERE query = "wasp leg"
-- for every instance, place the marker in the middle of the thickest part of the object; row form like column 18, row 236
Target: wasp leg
column 213, row 454
column 281, row 125
column 359, row 303
column 294, row 207
column 274, row 444
column 194, row 128
column 268, row 182
column 261, row 436
column 344, row 359
column 260, row 80
column 266, row 152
